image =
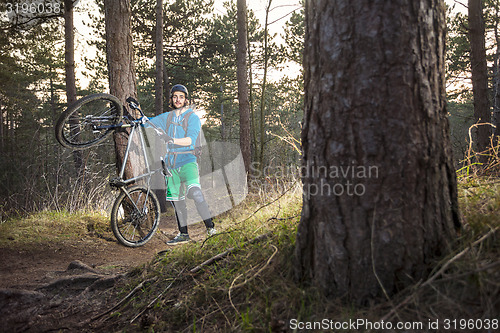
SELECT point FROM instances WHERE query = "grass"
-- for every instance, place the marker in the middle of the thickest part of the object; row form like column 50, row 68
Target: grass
column 51, row 226
column 253, row 289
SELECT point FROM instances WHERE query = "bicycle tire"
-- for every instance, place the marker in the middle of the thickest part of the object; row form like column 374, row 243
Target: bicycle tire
column 132, row 227
column 88, row 121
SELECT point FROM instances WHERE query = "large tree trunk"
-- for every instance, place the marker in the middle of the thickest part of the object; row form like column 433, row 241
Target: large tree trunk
column 120, row 57
column 244, row 104
column 380, row 200
column 479, row 70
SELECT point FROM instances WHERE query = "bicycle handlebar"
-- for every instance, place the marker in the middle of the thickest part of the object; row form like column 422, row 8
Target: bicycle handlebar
column 134, row 104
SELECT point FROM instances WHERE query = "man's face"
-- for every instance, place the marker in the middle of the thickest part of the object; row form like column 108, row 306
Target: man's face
column 178, row 99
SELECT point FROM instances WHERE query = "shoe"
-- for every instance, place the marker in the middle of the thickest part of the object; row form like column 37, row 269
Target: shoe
column 179, row 239
column 211, row 231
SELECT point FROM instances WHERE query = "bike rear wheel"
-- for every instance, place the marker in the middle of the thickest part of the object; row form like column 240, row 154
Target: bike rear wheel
column 135, row 216
column 88, row 121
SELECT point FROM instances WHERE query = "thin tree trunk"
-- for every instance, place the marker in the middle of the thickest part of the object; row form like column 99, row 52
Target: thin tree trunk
column 252, row 113
column 69, row 54
column 496, row 81
column 479, row 70
column 244, row 105
column 263, row 96
column 2, row 142
column 159, row 58
column 166, row 85
column 158, row 177
column 380, row 197
column 69, row 66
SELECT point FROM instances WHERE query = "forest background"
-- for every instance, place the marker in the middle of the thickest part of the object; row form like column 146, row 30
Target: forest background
column 200, row 51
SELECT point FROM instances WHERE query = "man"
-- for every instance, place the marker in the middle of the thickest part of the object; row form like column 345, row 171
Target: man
column 183, row 128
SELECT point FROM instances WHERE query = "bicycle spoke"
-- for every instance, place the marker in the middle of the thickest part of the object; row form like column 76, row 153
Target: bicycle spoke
column 88, row 121
column 136, row 218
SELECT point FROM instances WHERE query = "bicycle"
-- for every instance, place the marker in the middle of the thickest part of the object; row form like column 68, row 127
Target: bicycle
column 135, row 213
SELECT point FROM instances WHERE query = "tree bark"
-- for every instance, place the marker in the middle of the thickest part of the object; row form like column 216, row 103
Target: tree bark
column 119, row 49
column 380, row 198
column 120, row 58
column 166, row 85
column 243, row 101
column 479, row 71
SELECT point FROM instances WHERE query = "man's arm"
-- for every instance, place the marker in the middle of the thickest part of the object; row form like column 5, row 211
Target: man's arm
column 183, row 141
column 193, row 130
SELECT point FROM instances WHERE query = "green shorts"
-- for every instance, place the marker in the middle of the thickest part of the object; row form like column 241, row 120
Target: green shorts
column 182, row 180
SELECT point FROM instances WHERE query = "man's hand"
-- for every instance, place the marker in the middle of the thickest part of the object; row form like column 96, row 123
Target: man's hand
column 167, row 138
column 164, row 136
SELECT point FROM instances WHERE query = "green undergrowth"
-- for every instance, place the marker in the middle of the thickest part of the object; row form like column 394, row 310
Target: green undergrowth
column 52, row 226
column 253, row 289
column 480, row 203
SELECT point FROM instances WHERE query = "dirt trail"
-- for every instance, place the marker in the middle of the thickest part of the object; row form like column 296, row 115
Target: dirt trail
column 30, row 268
column 62, row 286
column 33, row 266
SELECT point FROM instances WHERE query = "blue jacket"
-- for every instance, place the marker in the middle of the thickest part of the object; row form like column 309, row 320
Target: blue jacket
column 176, row 131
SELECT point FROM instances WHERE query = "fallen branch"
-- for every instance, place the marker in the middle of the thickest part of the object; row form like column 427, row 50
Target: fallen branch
column 250, row 279
column 282, row 218
column 150, row 305
column 126, row 298
column 257, row 273
column 226, row 253
column 477, row 270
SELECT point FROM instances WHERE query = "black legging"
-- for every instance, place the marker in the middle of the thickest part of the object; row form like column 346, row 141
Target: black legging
column 201, row 206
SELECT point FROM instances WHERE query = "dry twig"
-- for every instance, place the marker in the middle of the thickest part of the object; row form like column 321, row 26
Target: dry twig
column 150, row 305
column 226, row 253
column 437, row 274
column 247, row 280
column 126, row 298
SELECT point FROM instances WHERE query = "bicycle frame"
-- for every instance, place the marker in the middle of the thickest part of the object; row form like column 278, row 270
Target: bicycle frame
column 149, row 172
column 135, row 129
column 135, row 213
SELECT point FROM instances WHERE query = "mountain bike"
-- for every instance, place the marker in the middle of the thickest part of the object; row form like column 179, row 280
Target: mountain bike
column 90, row 120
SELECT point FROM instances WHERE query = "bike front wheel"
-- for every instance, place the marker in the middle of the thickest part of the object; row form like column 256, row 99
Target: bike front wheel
column 88, row 121
column 135, row 216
